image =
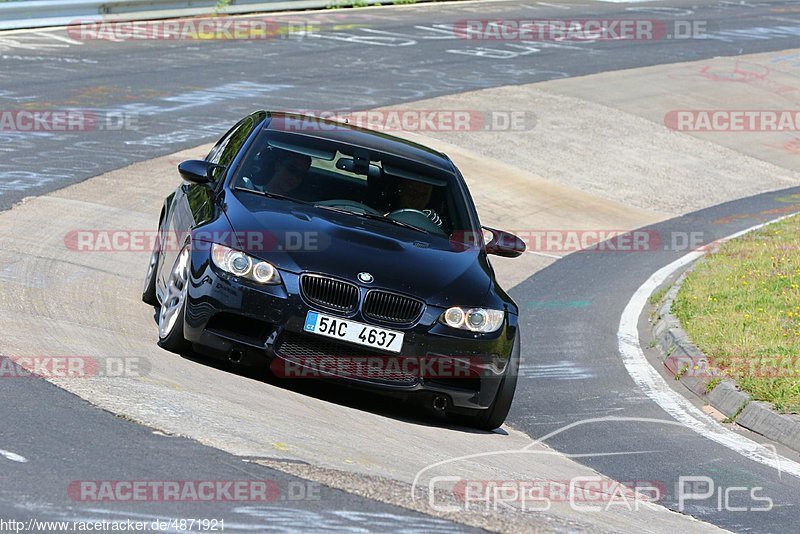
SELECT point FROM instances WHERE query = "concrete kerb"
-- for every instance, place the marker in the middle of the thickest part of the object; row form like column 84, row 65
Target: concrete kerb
column 680, row 355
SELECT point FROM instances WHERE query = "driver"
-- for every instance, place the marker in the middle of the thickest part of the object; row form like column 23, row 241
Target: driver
column 416, row 195
column 286, row 179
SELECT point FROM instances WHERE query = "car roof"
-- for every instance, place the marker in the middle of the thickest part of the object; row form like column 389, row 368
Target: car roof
column 340, row 132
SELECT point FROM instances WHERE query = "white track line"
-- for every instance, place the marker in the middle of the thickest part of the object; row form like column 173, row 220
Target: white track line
column 61, row 38
column 675, row 404
column 14, row 457
column 545, row 254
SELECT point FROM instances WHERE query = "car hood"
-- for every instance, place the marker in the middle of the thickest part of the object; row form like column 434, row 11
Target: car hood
column 300, row 238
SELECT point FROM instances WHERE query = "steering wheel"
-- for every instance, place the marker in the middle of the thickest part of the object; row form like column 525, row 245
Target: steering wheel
column 415, row 218
column 351, row 205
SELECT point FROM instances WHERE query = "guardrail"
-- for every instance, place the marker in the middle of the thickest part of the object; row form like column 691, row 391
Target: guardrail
column 43, row 13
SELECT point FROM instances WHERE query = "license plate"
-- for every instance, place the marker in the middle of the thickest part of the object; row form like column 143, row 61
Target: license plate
column 354, row 332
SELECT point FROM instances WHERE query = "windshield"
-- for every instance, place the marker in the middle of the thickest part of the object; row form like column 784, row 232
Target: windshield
column 350, row 179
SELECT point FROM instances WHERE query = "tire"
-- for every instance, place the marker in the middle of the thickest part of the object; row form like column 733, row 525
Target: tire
column 494, row 416
column 173, row 309
column 149, row 293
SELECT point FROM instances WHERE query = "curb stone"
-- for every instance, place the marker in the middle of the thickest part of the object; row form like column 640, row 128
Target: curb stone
column 680, row 356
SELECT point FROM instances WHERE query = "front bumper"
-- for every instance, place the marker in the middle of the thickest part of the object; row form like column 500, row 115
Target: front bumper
column 226, row 315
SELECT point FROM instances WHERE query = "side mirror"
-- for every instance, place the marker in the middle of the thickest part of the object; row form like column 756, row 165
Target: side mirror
column 197, row 171
column 504, row 244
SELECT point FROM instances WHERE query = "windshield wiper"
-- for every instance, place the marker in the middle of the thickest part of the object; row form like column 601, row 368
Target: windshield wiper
column 395, row 221
column 270, row 194
column 337, row 210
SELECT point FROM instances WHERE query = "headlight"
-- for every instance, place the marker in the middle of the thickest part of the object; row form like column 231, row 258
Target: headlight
column 473, row 319
column 240, row 264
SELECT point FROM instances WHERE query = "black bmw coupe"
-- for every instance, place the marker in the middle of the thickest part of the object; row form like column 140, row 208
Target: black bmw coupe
column 329, row 251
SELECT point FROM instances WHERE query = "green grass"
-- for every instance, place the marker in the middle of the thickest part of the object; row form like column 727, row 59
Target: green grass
column 741, row 306
column 714, row 382
column 658, row 296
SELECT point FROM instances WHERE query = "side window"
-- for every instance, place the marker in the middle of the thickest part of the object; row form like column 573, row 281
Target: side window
column 224, row 152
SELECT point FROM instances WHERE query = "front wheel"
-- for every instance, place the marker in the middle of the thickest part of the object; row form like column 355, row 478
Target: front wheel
column 494, row 416
column 173, row 309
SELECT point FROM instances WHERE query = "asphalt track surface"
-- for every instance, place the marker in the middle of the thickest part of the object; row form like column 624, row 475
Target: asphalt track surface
column 179, row 94
column 182, row 94
column 65, row 441
column 582, row 377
